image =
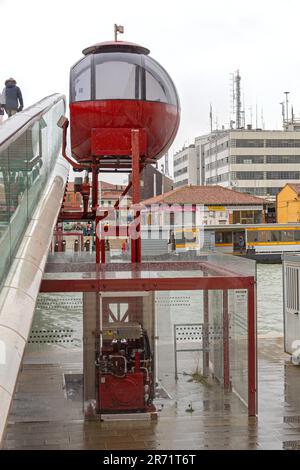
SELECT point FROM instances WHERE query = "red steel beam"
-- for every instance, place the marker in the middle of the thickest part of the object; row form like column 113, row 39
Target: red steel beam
column 205, row 334
column 252, row 352
column 226, row 356
column 143, row 284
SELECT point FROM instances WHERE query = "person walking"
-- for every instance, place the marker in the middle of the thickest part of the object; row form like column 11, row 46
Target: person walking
column 1, row 108
column 13, row 100
column 1, row 113
column 241, row 244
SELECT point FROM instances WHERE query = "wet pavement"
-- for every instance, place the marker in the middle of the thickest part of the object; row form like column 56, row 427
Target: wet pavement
column 47, row 415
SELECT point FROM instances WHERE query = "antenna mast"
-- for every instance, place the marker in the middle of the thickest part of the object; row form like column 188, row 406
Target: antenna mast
column 238, row 106
column 210, row 118
column 282, row 112
column 287, row 105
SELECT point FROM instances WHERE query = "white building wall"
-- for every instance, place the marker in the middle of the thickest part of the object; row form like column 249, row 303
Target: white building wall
column 185, row 167
column 228, row 174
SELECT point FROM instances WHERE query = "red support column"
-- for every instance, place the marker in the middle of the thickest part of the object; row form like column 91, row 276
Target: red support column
column 252, row 352
column 226, row 356
column 102, row 242
column 135, row 149
column 94, row 187
column 97, row 233
column 205, row 334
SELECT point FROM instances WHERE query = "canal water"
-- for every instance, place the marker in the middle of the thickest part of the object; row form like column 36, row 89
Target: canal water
column 269, row 300
column 58, row 317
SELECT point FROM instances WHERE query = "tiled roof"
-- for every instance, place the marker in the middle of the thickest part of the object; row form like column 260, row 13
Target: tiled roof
column 204, row 195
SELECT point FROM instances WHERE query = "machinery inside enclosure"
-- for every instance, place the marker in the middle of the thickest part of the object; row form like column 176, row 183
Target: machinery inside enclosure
column 125, row 368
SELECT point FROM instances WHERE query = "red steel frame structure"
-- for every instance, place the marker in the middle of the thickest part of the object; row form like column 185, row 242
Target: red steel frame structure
column 112, row 141
column 132, row 142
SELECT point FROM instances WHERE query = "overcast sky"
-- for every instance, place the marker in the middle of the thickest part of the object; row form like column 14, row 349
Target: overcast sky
column 200, row 43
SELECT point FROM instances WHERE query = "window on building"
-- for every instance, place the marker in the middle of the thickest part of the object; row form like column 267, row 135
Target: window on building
column 283, row 159
column 246, row 159
column 283, row 143
column 181, row 171
column 283, row 175
column 249, row 175
column 247, row 143
column 223, row 237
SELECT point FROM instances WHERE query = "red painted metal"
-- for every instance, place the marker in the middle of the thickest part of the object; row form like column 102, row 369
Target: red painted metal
column 160, row 121
column 252, row 352
column 116, row 46
column 94, row 187
column 136, row 240
column 122, row 394
column 111, row 141
column 102, row 248
column 125, row 134
column 205, row 334
column 139, row 284
column 97, row 247
column 226, row 357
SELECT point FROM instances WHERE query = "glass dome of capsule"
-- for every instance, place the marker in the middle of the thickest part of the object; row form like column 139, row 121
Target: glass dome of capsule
column 121, row 76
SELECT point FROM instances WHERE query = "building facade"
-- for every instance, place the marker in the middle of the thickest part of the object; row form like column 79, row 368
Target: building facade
column 288, row 204
column 185, row 164
column 258, row 162
column 108, row 196
column 214, row 205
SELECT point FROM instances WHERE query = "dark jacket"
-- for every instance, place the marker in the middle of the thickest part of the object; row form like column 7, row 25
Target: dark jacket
column 13, row 97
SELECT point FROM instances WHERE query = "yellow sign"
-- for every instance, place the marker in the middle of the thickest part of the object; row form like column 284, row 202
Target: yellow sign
column 217, row 208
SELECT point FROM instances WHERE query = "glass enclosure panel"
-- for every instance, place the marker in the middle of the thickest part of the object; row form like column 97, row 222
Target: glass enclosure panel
column 57, row 322
column 81, row 81
column 25, row 167
column 215, row 325
column 184, row 308
column 238, row 341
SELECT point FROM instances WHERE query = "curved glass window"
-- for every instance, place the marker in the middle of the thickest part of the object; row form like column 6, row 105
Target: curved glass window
column 131, row 76
column 116, row 75
column 81, row 81
column 159, row 86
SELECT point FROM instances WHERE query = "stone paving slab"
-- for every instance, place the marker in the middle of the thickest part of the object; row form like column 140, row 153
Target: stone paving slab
column 42, row 416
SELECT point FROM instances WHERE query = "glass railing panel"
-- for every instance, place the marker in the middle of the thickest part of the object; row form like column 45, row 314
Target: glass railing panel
column 26, row 164
column 4, row 213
